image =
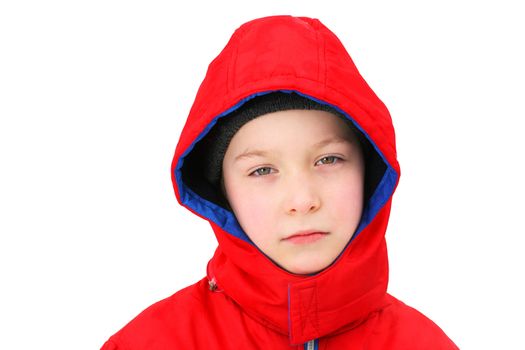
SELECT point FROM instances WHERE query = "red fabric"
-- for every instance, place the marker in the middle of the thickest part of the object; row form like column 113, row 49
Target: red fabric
column 257, row 304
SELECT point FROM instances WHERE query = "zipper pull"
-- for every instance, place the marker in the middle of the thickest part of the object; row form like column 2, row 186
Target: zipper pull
column 212, row 284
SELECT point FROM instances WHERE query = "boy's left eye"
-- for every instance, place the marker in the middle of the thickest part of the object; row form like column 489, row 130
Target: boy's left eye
column 328, row 160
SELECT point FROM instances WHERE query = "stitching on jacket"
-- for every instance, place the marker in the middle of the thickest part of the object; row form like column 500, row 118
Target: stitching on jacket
column 309, row 306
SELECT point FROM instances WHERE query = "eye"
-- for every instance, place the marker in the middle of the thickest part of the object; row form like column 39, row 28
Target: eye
column 328, row 160
column 261, row 171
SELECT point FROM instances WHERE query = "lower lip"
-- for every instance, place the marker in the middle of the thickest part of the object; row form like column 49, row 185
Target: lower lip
column 304, row 239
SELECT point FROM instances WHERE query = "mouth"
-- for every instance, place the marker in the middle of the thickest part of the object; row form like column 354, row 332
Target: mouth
column 305, row 237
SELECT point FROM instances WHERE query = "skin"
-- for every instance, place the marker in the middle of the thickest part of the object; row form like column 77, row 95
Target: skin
column 290, row 174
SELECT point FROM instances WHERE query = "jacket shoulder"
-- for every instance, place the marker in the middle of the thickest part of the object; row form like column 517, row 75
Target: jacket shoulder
column 404, row 327
column 162, row 324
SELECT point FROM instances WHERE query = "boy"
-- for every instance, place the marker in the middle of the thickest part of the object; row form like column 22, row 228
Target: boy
column 291, row 158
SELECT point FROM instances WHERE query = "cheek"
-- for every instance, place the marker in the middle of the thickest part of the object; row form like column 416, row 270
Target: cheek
column 253, row 211
column 345, row 197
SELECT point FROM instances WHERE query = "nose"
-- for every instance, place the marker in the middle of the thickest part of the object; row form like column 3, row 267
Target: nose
column 302, row 197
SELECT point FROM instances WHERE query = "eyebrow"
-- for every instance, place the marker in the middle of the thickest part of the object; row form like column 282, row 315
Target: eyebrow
column 330, row 140
column 259, row 153
column 250, row 154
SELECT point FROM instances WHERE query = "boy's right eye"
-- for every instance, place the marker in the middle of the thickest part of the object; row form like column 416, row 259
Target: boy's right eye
column 261, row 171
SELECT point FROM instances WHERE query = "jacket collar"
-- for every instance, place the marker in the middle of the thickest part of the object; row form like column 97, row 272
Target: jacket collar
column 305, row 307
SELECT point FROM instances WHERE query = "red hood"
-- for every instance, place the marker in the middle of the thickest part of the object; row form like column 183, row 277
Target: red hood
column 284, row 53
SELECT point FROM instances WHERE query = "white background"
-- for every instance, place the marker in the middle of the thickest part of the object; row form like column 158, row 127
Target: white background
column 93, row 95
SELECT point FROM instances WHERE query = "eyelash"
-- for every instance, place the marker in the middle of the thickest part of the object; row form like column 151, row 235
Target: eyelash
column 257, row 171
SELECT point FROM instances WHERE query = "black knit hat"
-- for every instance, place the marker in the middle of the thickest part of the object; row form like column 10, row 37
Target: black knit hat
column 222, row 133
column 203, row 166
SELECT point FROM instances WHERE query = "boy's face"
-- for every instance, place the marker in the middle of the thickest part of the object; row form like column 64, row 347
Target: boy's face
column 295, row 180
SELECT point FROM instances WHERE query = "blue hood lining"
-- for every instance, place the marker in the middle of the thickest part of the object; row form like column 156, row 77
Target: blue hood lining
column 226, row 220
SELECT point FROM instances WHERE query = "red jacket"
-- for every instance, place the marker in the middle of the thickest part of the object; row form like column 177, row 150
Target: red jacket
column 246, row 301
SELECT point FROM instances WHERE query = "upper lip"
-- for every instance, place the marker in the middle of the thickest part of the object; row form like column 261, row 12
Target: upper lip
column 304, row 233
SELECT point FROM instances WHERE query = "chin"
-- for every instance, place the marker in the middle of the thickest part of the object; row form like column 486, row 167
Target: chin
column 306, row 268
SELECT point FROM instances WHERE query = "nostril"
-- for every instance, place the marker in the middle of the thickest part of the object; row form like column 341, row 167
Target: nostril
column 303, row 209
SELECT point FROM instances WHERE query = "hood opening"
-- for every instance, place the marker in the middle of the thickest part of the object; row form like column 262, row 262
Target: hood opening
column 207, row 199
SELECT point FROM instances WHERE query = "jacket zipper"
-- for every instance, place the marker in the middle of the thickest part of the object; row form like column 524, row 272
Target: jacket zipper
column 311, row 345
